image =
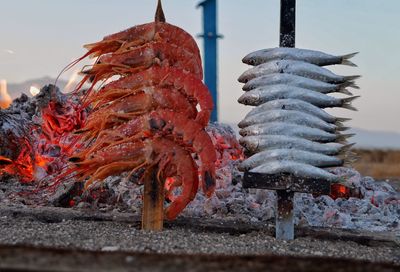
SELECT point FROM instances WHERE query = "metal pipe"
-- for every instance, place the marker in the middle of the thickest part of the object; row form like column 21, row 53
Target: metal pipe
column 210, row 36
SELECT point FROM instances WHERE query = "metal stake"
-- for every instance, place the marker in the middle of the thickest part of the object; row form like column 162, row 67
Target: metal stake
column 284, row 226
column 287, row 35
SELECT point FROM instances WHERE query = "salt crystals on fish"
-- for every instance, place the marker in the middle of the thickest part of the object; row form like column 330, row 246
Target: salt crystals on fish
column 301, row 170
column 259, row 143
column 285, row 53
column 297, row 105
column 294, row 130
column 265, row 94
column 295, row 155
column 295, row 67
column 291, row 117
column 299, row 81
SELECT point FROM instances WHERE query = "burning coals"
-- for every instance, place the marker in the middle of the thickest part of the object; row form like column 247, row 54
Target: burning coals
column 376, row 209
column 36, row 135
column 375, row 205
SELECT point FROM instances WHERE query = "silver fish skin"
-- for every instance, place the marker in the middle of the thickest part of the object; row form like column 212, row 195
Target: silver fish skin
column 265, row 94
column 301, row 170
column 311, row 56
column 297, row 105
column 281, row 128
column 295, row 67
column 289, row 117
column 298, row 81
column 311, row 158
column 259, row 143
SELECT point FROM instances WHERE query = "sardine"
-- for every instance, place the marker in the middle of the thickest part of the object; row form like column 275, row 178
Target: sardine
column 265, row 94
column 297, row 105
column 259, row 143
column 290, row 117
column 315, row 159
column 301, row 170
column 281, row 128
column 315, row 57
column 299, row 68
column 299, row 81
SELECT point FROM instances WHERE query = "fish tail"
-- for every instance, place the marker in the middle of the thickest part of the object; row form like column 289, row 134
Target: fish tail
column 346, row 102
column 346, row 61
column 349, row 158
column 350, row 84
column 346, row 148
column 351, row 78
column 342, row 119
column 345, row 91
column 342, row 138
column 342, row 128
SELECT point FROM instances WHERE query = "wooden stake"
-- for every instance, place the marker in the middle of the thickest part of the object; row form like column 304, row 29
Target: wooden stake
column 153, row 202
column 159, row 17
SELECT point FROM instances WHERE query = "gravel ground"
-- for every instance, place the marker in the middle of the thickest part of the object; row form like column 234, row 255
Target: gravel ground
column 114, row 236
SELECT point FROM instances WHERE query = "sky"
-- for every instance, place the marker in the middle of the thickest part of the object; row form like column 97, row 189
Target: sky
column 39, row 37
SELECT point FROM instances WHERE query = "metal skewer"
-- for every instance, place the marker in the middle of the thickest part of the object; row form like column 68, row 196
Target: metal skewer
column 284, row 219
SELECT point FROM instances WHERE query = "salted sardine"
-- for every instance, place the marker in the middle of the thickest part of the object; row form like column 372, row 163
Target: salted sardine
column 311, row 56
column 301, row 170
column 297, row 105
column 295, row 67
column 299, row 81
column 294, row 130
column 265, row 94
column 315, row 159
column 290, row 117
column 259, row 143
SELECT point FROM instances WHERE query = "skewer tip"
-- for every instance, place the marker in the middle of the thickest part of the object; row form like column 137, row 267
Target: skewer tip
column 159, row 17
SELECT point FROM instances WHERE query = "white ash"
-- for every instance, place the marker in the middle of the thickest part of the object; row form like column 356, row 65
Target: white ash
column 377, row 210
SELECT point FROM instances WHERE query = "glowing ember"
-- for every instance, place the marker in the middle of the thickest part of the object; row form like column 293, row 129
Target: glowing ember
column 34, row 91
column 339, row 191
column 5, row 98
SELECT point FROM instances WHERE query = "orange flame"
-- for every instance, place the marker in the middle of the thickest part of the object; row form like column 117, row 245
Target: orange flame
column 5, row 98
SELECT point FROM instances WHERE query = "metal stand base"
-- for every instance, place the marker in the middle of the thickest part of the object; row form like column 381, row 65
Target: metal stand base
column 284, row 226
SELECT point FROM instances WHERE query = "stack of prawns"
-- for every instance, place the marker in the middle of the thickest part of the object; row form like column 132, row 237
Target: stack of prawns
column 289, row 131
column 150, row 111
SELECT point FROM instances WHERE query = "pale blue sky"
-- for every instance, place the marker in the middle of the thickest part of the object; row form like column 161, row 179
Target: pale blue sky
column 39, row 37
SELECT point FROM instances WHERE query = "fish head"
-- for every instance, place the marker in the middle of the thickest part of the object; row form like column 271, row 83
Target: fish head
column 250, row 59
column 243, row 132
column 249, row 143
column 249, row 98
column 246, row 76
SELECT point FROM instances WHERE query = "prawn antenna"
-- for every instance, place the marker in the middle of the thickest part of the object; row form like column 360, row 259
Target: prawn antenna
column 159, row 17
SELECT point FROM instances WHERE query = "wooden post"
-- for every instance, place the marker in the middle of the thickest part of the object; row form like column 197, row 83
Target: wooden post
column 153, row 202
column 153, row 193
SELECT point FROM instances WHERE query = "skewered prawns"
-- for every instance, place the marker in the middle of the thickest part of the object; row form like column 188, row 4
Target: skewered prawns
column 171, row 158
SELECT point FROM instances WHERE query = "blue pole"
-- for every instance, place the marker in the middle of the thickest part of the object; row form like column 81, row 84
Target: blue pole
column 210, row 36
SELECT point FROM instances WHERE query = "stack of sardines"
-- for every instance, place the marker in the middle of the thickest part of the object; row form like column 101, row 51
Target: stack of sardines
column 289, row 131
